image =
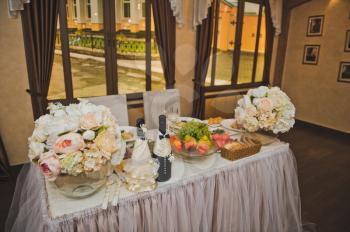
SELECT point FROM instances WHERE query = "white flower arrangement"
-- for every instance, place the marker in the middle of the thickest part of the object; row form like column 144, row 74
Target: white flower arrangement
column 74, row 139
column 264, row 108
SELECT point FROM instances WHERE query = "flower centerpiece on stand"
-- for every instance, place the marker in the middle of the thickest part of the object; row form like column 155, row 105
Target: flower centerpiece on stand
column 265, row 109
column 78, row 140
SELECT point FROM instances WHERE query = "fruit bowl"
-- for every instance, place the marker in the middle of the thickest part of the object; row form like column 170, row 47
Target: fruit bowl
column 194, row 154
column 191, row 148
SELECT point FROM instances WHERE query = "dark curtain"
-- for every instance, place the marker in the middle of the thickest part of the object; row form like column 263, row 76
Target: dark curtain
column 4, row 164
column 165, row 30
column 39, row 22
column 203, row 49
column 270, row 34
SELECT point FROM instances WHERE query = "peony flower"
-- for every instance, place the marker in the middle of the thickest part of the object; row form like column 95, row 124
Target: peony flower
column 264, row 104
column 49, row 165
column 89, row 135
column 106, row 141
column 35, row 149
column 89, row 121
column 69, row 143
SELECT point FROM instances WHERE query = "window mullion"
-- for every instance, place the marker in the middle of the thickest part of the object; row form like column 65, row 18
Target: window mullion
column 65, row 51
column 215, row 44
column 238, row 42
column 148, row 46
column 256, row 51
column 109, row 46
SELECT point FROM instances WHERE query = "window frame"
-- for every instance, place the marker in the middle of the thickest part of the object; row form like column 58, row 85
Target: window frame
column 109, row 21
column 237, row 50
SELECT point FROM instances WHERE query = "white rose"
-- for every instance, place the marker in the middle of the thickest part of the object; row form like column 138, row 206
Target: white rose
column 35, row 149
column 39, row 134
column 86, row 107
column 89, row 135
column 258, row 92
column 59, row 113
column 56, row 127
column 73, row 110
column 71, row 124
column 53, row 107
column 44, row 120
column 283, row 125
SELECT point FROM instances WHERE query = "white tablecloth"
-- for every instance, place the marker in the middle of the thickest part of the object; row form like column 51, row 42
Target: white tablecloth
column 257, row 193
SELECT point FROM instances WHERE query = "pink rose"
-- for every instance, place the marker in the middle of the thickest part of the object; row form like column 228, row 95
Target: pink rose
column 49, row 165
column 69, row 143
column 88, row 121
column 265, row 104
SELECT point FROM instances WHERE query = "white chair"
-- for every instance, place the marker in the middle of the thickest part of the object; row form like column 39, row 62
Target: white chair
column 117, row 104
column 156, row 103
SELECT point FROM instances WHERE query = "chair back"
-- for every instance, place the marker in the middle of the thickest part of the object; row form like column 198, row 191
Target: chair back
column 117, row 104
column 160, row 102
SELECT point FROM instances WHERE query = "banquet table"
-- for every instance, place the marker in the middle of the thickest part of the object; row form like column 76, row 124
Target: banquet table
column 256, row 193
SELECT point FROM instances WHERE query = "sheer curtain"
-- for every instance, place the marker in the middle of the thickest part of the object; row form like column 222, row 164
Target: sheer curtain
column 203, row 49
column 39, row 21
column 165, row 29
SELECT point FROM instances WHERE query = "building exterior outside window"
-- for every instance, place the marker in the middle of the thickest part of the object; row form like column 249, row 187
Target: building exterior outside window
column 126, row 9
column 75, row 10
column 88, row 9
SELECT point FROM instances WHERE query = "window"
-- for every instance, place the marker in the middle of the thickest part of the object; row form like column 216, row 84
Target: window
column 88, row 8
column 143, row 6
column 107, row 57
column 126, row 8
column 238, row 49
column 75, row 9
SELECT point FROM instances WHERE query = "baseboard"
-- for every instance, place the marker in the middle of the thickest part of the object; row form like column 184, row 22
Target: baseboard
column 322, row 128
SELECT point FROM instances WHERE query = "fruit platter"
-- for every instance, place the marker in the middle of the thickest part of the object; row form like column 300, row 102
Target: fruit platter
column 194, row 140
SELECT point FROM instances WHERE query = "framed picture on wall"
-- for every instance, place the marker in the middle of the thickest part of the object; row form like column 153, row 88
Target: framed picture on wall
column 311, row 54
column 344, row 72
column 347, row 41
column 315, row 25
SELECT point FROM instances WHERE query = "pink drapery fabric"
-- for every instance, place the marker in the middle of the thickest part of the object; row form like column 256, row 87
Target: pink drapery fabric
column 258, row 195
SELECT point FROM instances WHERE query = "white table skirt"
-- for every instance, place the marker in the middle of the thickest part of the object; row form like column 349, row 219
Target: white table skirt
column 258, row 193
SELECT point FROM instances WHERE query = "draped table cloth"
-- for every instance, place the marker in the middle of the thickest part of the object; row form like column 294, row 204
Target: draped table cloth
column 257, row 193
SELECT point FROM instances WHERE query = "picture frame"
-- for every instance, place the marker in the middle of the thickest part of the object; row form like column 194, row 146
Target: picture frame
column 347, row 41
column 311, row 54
column 344, row 72
column 315, row 25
